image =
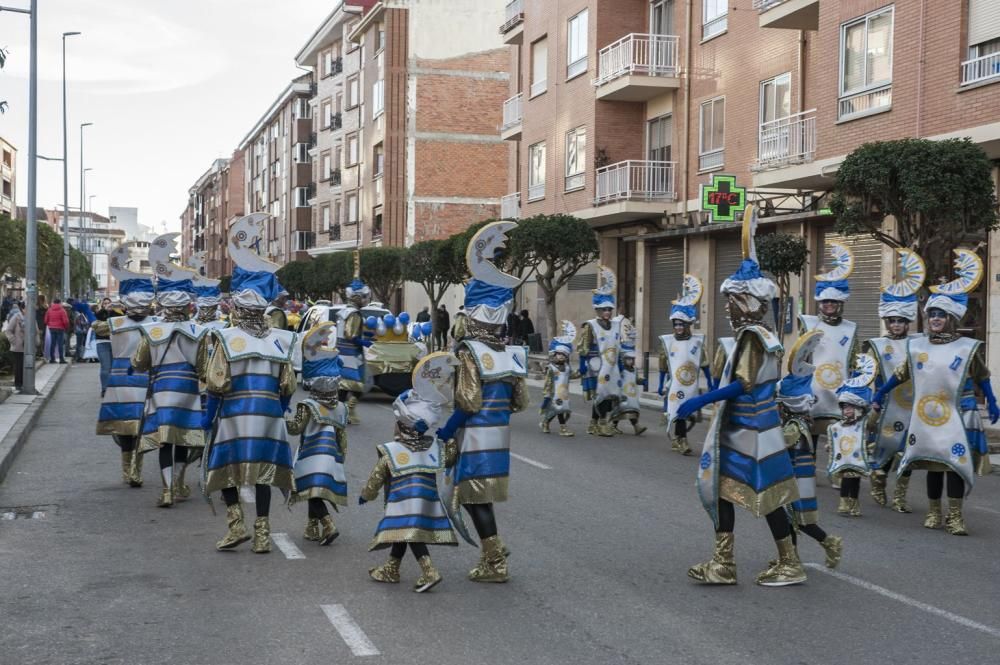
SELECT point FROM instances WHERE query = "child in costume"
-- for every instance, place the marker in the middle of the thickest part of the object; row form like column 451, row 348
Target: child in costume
column 407, row 467
column 628, row 402
column 321, row 420
column 846, row 441
column 555, row 389
column 599, row 343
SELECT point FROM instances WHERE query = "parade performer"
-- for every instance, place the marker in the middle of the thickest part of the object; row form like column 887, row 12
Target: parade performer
column 743, row 461
column 628, row 400
column 682, row 355
column 490, row 387
column 897, row 308
column 168, row 352
column 209, row 296
column 249, row 381
column 275, row 312
column 840, row 344
column 795, row 400
column 322, row 421
column 351, row 342
column 407, row 467
column 555, row 386
column 599, row 343
column 123, row 401
column 946, row 432
column 847, row 440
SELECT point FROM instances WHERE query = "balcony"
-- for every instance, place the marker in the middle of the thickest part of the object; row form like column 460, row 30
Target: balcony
column 335, row 233
column 978, row 70
column 510, row 206
column 865, row 103
column 631, row 190
column 336, row 122
column 513, row 28
column 637, row 68
column 510, row 130
column 788, row 14
column 786, row 141
column 335, row 178
column 336, row 67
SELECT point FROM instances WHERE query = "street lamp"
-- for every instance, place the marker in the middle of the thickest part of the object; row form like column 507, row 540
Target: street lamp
column 83, row 171
column 65, row 175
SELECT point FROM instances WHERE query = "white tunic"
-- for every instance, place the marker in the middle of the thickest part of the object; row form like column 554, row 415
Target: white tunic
column 604, row 366
column 894, row 418
column 832, row 360
column 684, row 358
column 847, row 448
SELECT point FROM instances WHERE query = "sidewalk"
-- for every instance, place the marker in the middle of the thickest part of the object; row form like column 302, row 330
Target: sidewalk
column 19, row 412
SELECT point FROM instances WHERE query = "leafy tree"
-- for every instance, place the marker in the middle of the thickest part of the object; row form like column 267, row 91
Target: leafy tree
column 940, row 193
column 782, row 255
column 11, row 246
column 294, row 277
column 382, row 270
column 81, row 276
column 432, row 264
column 330, row 274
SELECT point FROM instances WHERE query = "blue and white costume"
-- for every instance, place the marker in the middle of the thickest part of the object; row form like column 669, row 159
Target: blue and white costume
column 682, row 358
column 555, row 386
column 599, row 344
column 629, row 407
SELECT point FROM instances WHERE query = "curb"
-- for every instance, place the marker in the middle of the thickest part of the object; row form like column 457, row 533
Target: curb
column 18, row 434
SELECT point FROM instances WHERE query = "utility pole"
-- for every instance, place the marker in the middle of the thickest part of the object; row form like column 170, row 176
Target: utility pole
column 66, row 284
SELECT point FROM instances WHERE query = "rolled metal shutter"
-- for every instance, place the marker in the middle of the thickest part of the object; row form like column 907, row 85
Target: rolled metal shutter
column 865, row 281
column 666, row 279
column 728, row 256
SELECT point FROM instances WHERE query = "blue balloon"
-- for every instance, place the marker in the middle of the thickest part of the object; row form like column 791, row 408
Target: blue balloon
column 427, row 327
column 371, row 322
column 404, row 318
column 389, row 320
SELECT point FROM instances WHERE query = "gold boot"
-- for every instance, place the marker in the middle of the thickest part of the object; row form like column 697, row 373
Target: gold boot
column 844, row 506
column 181, row 490
column 788, row 569
column 592, row 427
column 388, row 572
column 127, row 467
column 237, row 533
column 262, row 535
column 328, row 531
column 166, row 498
column 834, row 547
column 492, row 565
column 954, row 523
column 429, row 577
column 135, row 470
column 855, row 507
column 605, row 428
column 312, row 530
column 899, row 495
column 933, row 518
column 565, row 431
column 352, row 411
column 637, row 428
column 682, row 446
column 544, row 426
column 878, row 487
column 721, row 569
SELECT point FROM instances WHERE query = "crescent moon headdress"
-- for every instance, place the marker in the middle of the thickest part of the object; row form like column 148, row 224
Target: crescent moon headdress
column 748, row 279
column 795, row 390
column 604, row 294
column 489, row 295
column 174, row 286
column 900, row 298
column 358, row 289
column 685, row 308
column 563, row 342
column 253, row 285
column 432, row 392
column 319, row 356
column 857, row 389
column 135, row 289
column 207, row 290
column 832, row 285
column 953, row 297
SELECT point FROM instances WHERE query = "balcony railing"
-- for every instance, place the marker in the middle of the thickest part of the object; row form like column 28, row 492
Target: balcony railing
column 715, row 26
column 536, row 191
column 513, row 15
column 510, row 206
column 650, row 55
column 336, row 67
column 790, row 140
column 764, row 5
column 980, row 69
column 336, row 122
column 714, row 159
column 635, row 180
column 865, row 103
column 335, row 232
column 512, row 111
column 335, row 178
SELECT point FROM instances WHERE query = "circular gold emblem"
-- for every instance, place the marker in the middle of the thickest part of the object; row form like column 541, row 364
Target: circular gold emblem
column 829, row 376
column 488, row 362
column 610, row 355
column 563, row 392
column 687, row 374
column 921, row 357
column 403, row 458
column 238, row 345
column 934, row 410
column 156, row 333
column 847, row 443
column 904, row 395
column 630, row 390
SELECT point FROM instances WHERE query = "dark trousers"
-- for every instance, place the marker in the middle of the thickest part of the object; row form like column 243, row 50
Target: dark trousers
column 17, row 360
column 81, row 343
column 56, row 340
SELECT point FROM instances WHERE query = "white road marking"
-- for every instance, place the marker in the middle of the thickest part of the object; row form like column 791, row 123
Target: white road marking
column 287, row 547
column 37, row 515
column 248, row 494
column 531, row 462
column 9, row 516
column 986, row 510
column 350, row 632
column 906, row 600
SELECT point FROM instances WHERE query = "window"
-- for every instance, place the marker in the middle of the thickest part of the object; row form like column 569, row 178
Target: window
column 301, row 197
column 576, row 38
column 711, row 143
column 536, row 171
column 326, row 112
column 324, row 214
column 338, row 155
column 866, row 65
column 775, row 98
column 377, row 222
column 301, row 109
column 660, row 138
column 714, row 21
column 378, row 161
column 661, row 17
column 378, row 98
column 576, row 157
column 352, row 208
column 352, row 149
column 327, row 63
column 338, row 102
column 337, row 210
column 326, row 166
column 353, row 92
column 379, row 37
column 539, row 66
column 301, row 155
column 984, row 42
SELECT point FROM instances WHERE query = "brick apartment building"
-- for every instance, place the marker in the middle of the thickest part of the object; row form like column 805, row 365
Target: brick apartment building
column 213, row 201
column 619, row 111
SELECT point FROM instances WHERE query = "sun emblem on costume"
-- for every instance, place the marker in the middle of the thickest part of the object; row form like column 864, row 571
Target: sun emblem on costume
column 686, row 374
column 488, row 362
column 156, row 333
column 563, row 392
column 630, row 390
column 904, row 395
column 829, row 375
column 238, row 345
column 934, row 410
column 403, row 458
column 847, row 443
column 610, row 355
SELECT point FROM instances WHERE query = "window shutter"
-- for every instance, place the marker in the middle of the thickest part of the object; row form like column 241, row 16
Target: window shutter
column 984, row 21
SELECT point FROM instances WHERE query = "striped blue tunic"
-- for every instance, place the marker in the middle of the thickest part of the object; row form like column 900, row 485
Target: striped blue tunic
column 173, row 410
column 319, row 464
column 122, row 404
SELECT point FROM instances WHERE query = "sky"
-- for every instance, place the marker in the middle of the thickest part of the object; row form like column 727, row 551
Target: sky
column 170, row 85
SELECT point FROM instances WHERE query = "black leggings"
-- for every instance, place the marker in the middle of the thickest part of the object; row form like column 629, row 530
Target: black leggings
column 126, row 443
column 563, row 418
column 231, row 495
column 399, row 549
column 317, row 509
column 850, row 487
column 483, row 519
column 811, row 530
column 681, row 428
column 777, row 520
column 171, row 454
column 935, row 484
column 602, row 409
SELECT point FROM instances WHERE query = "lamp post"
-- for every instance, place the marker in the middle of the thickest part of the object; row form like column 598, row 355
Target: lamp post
column 65, row 162
column 83, row 172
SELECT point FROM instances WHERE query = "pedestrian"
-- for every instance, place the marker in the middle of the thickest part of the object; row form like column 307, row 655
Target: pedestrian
column 102, row 337
column 14, row 330
column 423, row 315
column 57, row 323
column 82, row 317
column 441, row 329
column 511, row 328
column 41, row 332
column 846, row 440
column 524, row 328
column 6, row 307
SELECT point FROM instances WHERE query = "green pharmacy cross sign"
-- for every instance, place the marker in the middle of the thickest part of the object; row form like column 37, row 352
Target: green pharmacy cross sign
column 723, row 198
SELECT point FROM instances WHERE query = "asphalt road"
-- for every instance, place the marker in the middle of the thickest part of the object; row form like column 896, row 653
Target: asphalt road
column 602, row 532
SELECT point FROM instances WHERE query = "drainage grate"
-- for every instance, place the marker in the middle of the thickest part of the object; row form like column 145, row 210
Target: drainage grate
column 27, row 512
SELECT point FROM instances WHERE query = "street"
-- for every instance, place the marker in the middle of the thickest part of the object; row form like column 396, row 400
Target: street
column 602, row 532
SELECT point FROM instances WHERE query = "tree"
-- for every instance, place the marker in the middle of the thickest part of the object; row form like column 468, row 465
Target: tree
column 432, row 264
column 382, row 270
column 294, row 277
column 11, row 246
column 940, row 193
column 81, row 276
column 782, row 255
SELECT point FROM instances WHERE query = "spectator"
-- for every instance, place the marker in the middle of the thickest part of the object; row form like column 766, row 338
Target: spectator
column 512, row 329
column 82, row 318
column 5, row 308
column 525, row 327
column 102, row 334
column 441, row 327
column 14, row 330
column 41, row 334
column 57, row 323
column 423, row 315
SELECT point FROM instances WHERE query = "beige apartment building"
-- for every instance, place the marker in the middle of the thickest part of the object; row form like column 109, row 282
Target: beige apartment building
column 8, row 178
column 620, row 111
column 214, row 200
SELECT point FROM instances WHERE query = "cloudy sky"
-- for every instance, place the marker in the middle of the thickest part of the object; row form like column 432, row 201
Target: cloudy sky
column 170, row 85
